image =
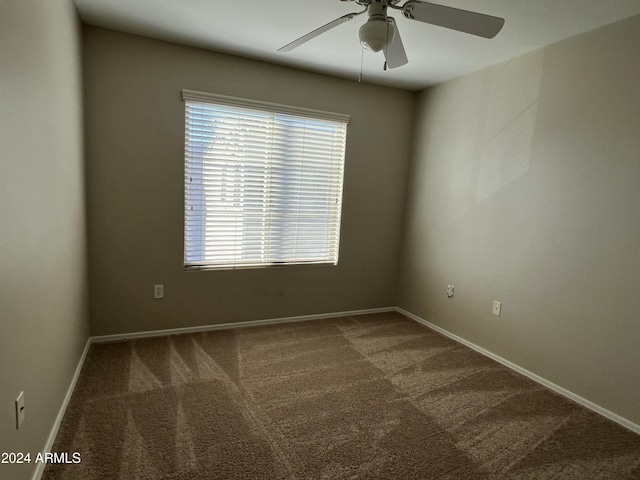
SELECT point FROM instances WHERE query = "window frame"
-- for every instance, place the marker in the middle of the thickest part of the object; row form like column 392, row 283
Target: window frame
column 271, row 109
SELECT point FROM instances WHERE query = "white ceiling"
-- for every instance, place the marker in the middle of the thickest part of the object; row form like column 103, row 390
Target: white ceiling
column 257, row 28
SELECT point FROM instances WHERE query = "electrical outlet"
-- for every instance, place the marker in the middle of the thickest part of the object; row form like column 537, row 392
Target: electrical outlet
column 450, row 291
column 158, row 291
column 19, row 410
column 497, row 308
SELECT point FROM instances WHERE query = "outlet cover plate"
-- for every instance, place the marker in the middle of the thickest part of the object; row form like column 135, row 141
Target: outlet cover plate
column 19, row 410
column 497, row 308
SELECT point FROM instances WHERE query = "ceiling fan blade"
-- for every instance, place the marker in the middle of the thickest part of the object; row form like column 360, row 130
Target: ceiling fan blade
column 394, row 53
column 461, row 20
column 318, row 31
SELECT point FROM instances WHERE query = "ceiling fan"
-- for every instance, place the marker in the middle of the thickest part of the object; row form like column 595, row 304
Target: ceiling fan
column 380, row 32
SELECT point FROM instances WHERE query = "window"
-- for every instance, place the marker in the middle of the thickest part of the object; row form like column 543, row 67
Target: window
column 263, row 183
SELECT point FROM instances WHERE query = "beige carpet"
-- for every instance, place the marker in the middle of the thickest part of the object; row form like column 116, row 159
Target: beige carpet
column 366, row 397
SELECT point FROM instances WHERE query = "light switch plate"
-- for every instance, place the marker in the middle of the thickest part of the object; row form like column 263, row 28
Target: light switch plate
column 158, row 291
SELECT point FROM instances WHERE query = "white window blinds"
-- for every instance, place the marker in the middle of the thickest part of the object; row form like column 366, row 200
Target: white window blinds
column 263, row 183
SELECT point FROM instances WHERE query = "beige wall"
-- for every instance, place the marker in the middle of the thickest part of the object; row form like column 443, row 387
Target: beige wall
column 43, row 288
column 135, row 155
column 525, row 188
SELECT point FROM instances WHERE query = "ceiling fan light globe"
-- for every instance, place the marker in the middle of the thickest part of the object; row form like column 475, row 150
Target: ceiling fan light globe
column 376, row 34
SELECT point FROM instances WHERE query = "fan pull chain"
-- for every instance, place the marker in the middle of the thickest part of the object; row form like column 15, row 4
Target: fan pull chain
column 361, row 63
column 386, row 48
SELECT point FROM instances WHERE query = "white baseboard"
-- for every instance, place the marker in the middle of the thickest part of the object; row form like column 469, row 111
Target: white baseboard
column 556, row 388
column 65, row 403
column 226, row 326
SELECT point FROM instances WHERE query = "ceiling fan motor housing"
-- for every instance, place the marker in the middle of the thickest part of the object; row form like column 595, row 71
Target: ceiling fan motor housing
column 377, row 32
